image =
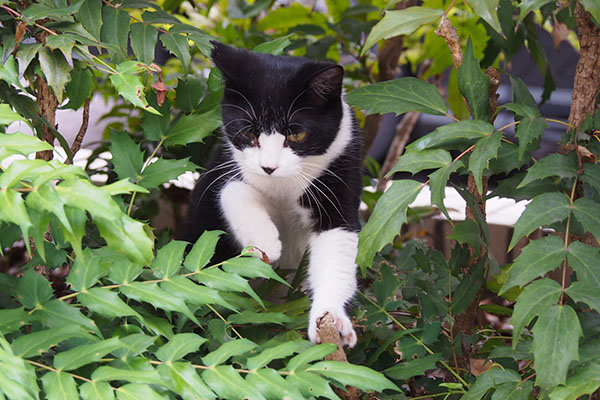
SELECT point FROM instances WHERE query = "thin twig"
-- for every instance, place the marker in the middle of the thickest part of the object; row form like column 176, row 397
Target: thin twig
column 82, row 129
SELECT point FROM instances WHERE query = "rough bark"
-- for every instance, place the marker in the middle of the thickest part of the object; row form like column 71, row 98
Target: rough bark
column 82, row 130
column 47, row 103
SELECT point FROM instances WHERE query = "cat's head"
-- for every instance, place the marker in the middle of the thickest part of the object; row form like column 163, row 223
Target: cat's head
column 278, row 110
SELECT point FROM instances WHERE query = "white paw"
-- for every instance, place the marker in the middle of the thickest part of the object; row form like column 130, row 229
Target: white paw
column 342, row 322
column 271, row 247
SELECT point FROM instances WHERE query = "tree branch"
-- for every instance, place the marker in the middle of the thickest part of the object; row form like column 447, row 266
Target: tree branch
column 82, row 130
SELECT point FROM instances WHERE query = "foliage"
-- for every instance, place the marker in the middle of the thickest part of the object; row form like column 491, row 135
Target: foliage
column 142, row 317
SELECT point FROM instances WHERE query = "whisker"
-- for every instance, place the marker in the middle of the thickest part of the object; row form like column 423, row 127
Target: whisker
column 247, row 101
column 293, row 102
column 240, row 108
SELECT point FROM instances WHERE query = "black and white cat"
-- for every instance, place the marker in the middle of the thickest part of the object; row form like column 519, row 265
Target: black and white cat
column 287, row 177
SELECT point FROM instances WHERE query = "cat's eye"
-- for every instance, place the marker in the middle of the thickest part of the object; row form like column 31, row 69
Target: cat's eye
column 250, row 135
column 298, row 137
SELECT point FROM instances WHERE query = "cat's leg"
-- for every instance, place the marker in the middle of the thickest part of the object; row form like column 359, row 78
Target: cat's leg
column 332, row 279
column 248, row 220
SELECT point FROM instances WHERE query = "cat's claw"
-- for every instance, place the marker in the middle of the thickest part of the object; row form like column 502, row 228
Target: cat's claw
column 342, row 322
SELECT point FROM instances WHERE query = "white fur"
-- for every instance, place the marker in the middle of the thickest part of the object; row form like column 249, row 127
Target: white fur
column 272, row 220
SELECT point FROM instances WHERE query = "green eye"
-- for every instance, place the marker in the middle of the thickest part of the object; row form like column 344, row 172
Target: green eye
column 250, row 135
column 298, row 137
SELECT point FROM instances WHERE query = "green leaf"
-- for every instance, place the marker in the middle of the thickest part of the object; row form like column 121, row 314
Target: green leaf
column 59, row 386
column 55, row 69
column 386, row 221
column 593, row 8
column 252, row 317
column 159, row 16
column 311, row 385
column 178, row 45
column 143, row 374
column 586, row 212
column 130, row 86
column 123, row 186
column 182, row 287
column 584, row 260
column 400, row 22
column 555, row 344
column 528, row 131
column 585, row 293
column 217, row 279
column 543, row 210
column 202, row 251
column 467, row 232
column 19, row 170
column 457, row 133
column 313, row 353
column 287, row 17
column 85, row 354
column 466, row 292
column 276, row 46
column 417, row 161
column 228, row 384
column 532, row 300
column 124, row 271
column 438, row 181
column 126, row 236
column 136, row 391
column 551, row 165
column 115, row 31
column 19, row 143
column 188, row 93
column 486, row 10
column 336, row 8
column 193, row 128
column 63, row 42
column 8, row 116
column 58, row 313
column 90, row 16
column 585, row 380
column 485, row 150
column 398, row 96
column 105, row 302
column 182, row 378
column 536, row 259
column 25, row 54
column 513, row 391
column 36, row 343
column 226, row 350
column 32, row 289
column 270, row 383
column 179, row 346
column 168, row 259
column 521, row 94
column 279, row 351
column 407, row 369
column 79, row 88
column 353, row 375
column 252, row 267
column 591, row 175
column 164, row 170
column 38, row 11
column 13, row 319
column 527, row 6
column 96, row 391
column 143, row 42
column 489, row 379
column 86, row 271
column 127, row 157
column 523, row 110
column 473, row 84
column 17, row 378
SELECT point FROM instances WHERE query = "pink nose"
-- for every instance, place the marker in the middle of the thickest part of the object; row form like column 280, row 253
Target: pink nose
column 268, row 170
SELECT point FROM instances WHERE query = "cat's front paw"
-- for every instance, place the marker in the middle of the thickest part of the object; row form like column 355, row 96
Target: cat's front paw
column 271, row 248
column 342, row 323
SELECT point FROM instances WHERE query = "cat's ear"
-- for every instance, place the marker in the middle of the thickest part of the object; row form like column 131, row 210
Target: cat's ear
column 226, row 58
column 326, row 84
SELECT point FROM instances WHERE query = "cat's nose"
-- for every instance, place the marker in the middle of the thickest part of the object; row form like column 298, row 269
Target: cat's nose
column 268, row 170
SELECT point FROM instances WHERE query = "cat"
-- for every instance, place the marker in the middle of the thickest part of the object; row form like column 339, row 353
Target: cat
column 287, row 177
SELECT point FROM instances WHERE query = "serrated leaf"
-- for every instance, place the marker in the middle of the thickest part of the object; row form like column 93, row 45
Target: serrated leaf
column 159, row 16
column 123, row 186
column 90, row 16
column 144, row 374
column 358, row 376
column 202, row 251
column 193, row 128
column 407, row 369
column 19, row 170
column 529, row 5
column 192, row 293
column 136, row 391
column 585, row 293
column 32, row 289
column 490, row 379
column 400, row 22
column 437, row 183
column 485, row 150
column 486, row 10
column 466, row 292
column 36, row 343
column 85, row 354
column 252, row 317
column 276, row 46
column 532, row 300
column 129, row 85
column 105, row 302
column 513, row 391
column 183, row 379
column 398, row 96
column 115, row 31
column 417, row 161
column 25, row 54
column 228, row 349
column 386, row 221
column 168, row 259
column 522, row 110
column 252, row 267
column 457, row 133
column 591, row 175
column 551, row 165
column 63, row 42
column 585, row 380
column 45, row 201
column 143, row 42
column 59, row 386
column 179, row 346
column 55, row 69
column 467, row 232
column 124, row 272
column 543, row 210
column 79, row 88
column 178, row 46
column 12, row 319
column 220, row 280
column 279, row 351
column 188, row 93
column 58, row 313
column 133, row 345
column 528, row 131
column 584, row 260
column 127, row 157
column 313, row 353
column 311, row 385
column 555, row 344
column 126, row 236
column 270, row 383
column 163, row 170
column 521, row 94
column 228, row 384
column 536, row 259
column 20, row 143
column 39, row 10
column 17, row 378
column 86, row 271
column 96, row 391
column 586, row 212
column 472, row 83
column 8, row 116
